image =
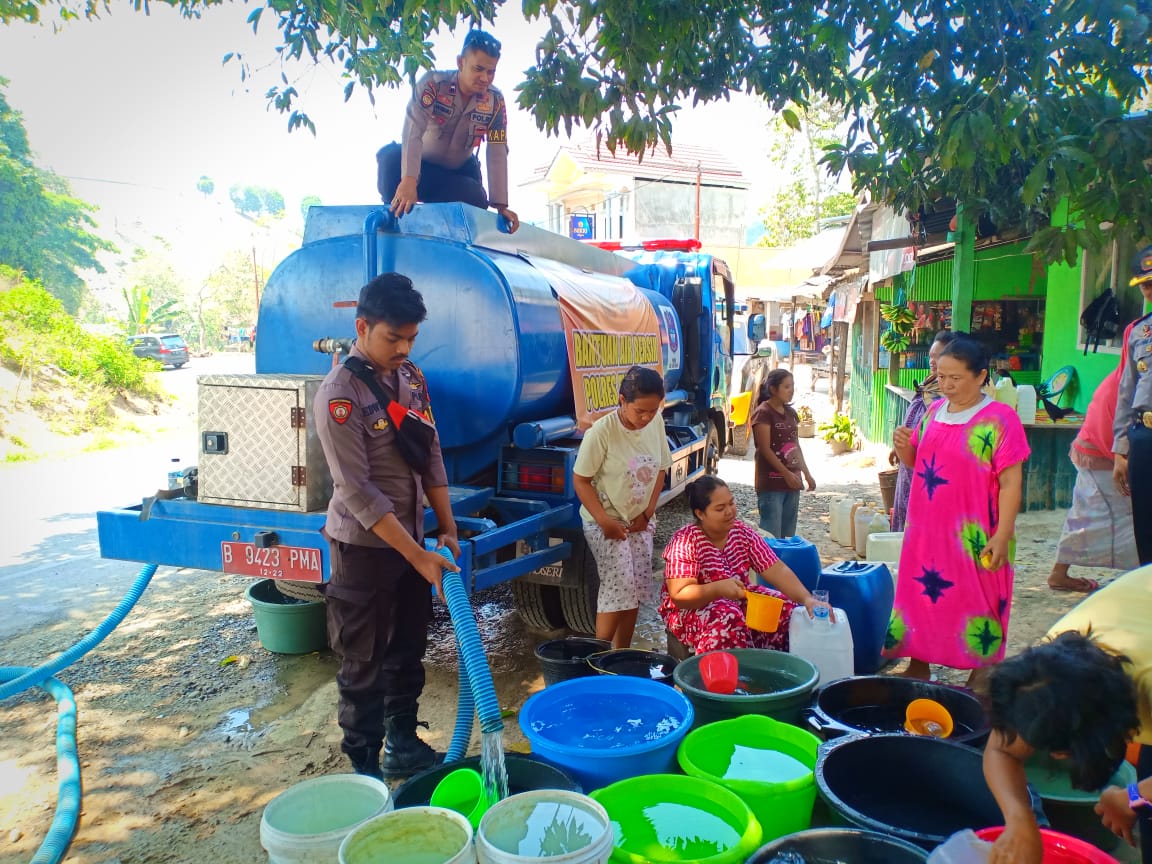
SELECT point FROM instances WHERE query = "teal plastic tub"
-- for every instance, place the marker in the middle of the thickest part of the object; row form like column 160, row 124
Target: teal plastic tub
column 286, row 625
column 781, row 686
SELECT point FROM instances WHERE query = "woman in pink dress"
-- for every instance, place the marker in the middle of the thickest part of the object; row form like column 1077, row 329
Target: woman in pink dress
column 706, row 576
column 954, row 594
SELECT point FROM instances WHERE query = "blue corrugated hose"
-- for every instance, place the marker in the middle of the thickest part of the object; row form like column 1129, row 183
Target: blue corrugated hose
column 479, row 689
column 67, row 767
column 21, row 678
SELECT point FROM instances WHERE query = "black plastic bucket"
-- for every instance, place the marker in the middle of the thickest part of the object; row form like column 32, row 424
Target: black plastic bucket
column 636, row 663
column 922, row 790
column 525, row 774
column 872, row 704
column 841, row 844
column 563, row 659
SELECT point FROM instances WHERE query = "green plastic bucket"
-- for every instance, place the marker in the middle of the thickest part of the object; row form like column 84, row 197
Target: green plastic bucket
column 667, row 817
column 286, row 625
column 770, row 765
column 780, row 684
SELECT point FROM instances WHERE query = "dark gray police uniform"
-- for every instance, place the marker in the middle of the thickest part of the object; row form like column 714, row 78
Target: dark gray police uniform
column 379, row 607
column 1133, row 430
column 442, row 132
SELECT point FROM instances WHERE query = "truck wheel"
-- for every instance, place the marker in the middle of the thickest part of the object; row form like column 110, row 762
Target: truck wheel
column 712, row 451
column 306, row 591
column 739, row 445
column 538, row 605
column 579, row 603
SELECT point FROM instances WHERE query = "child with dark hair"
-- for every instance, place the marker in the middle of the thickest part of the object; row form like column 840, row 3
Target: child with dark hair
column 780, row 467
column 1080, row 696
column 706, row 576
column 619, row 475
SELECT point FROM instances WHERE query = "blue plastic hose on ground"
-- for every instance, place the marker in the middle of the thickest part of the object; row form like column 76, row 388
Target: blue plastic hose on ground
column 67, row 767
column 20, row 678
column 475, row 664
column 42, row 673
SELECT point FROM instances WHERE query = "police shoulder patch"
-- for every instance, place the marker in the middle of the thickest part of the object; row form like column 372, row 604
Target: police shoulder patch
column 380, row 425
column 340, row 410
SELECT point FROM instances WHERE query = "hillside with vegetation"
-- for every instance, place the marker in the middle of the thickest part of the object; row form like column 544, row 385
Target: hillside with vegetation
column 63, row 388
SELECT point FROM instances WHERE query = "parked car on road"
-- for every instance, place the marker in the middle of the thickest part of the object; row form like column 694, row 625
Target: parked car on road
column 167, row 349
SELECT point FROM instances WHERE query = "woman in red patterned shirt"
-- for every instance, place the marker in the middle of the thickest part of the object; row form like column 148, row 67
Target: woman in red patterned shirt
column 706, row 576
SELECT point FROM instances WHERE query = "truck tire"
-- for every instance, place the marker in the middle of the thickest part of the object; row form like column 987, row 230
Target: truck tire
column 739, row 445
column 712, row 450
column 538, row 605
column 306, row 591
column 579, row 603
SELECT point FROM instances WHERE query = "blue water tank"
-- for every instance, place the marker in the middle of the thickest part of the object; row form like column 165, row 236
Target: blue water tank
column 864, row 591
column 492, row 347
column 800, row 555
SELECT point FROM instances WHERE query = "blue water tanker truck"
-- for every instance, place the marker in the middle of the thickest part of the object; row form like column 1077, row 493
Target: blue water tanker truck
column 514, row 373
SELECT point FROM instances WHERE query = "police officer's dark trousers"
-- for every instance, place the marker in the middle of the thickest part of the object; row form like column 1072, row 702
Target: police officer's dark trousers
column 1140, row 484
column 436, row 184
column 379, row 609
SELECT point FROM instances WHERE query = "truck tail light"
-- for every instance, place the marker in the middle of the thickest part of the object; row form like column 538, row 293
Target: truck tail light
column 534, row 477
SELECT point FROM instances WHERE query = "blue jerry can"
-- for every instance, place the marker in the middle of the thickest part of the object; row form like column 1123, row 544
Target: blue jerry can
column 800, row 555
column 864, row 591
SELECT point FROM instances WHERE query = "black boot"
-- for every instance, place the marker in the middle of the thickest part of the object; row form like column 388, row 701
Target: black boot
column 405, row 753
column 366, row 761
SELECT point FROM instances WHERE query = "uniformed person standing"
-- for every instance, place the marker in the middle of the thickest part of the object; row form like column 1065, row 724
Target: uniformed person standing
column 378, row 598
column 1133, row 428
column 449, row 116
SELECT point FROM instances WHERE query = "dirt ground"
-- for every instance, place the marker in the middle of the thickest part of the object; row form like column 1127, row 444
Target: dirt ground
column 180, row 752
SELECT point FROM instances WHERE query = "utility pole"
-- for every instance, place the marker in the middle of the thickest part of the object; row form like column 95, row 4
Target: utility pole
column 256, row 283
column 697, row 233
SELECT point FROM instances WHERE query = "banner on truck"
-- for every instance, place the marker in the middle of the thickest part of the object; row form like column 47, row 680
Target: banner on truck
column 609, row 327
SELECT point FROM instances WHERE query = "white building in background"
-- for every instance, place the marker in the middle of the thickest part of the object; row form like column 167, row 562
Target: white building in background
column 594, row 195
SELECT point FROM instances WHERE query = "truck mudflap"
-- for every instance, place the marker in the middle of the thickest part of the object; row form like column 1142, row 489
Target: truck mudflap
column 272, row 544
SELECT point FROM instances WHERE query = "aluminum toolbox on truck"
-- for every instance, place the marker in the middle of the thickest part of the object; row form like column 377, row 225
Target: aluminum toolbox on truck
column 258, row 443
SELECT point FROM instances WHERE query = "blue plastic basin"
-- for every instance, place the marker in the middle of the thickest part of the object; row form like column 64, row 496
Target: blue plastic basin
column 608, row 728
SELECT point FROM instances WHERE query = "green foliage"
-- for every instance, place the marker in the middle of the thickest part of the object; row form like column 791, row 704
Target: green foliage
column 307, row 202
column 840, row 428
column 256, row 200
column 43, row 229
column 227, row 298
column 205, row 185
column 1011, row 108
column 143, row 316
column 796, row 209
column 36, row 330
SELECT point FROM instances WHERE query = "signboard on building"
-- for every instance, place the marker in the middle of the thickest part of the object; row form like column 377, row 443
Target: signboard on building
column 581, row 227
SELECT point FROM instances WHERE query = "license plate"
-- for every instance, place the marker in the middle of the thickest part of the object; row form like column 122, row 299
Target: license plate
column 296, row 563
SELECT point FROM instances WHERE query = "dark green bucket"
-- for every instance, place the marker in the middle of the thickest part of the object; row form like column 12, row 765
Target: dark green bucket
column 780, row 685
column 286, row 625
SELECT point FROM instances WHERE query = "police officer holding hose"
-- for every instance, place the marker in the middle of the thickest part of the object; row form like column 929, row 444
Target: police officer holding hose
column 379, row 598
column 1132, row 445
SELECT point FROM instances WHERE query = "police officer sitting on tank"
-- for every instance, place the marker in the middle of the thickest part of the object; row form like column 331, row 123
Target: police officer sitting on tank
column 450, row 114
column 1132, row 445
column 378, row 597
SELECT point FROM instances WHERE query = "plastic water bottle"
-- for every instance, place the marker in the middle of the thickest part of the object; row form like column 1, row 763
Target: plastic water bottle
column 175, row 474
column 830, row 650
column 1026, row 403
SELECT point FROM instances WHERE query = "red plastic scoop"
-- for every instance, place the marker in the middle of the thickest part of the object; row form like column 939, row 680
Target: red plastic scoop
column 720, row 672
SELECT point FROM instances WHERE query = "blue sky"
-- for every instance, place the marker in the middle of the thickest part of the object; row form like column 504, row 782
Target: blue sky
column 145, row 99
